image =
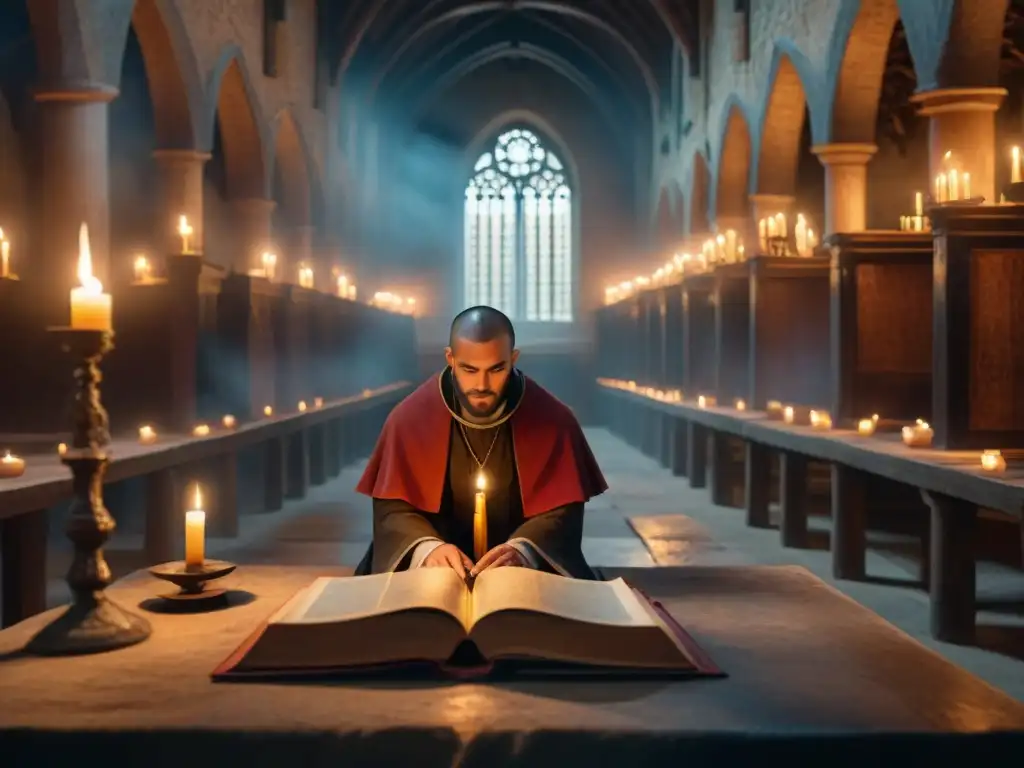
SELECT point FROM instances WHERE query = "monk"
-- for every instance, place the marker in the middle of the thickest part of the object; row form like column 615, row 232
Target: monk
column 480, row 421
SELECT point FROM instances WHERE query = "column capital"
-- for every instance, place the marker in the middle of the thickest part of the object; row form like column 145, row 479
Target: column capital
column 940, row 100
column 844, row 153
column 75, row 91
column 180, row 156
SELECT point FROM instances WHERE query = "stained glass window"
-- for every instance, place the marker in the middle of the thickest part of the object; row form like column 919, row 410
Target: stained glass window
column 519, row 231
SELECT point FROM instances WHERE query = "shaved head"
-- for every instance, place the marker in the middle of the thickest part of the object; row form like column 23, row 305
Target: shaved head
column 481, row 324
column 481, row 354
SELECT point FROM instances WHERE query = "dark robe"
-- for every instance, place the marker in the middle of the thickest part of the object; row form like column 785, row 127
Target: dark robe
column 422, row 478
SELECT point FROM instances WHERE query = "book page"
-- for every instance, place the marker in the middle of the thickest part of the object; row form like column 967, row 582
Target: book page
column 524, row 589
column 353, row 597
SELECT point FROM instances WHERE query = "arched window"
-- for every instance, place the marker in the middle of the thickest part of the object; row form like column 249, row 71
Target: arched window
column 518, row 231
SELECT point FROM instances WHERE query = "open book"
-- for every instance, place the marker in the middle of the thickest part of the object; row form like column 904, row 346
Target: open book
column 429, row 615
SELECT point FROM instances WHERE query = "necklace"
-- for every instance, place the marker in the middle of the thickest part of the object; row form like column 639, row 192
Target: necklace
column 465, row 439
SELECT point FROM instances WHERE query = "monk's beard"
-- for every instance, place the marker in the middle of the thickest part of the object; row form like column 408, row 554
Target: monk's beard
column 469, row 408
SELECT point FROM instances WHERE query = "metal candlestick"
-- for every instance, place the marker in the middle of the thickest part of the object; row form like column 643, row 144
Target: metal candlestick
column 778, row 246
column 92, row 624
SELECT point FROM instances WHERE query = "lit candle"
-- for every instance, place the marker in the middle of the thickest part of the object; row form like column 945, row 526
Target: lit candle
column 318, row 402
column 705, row 401
column 918, row 435
column 201, row 430
column 268, row 411
column 820, row 420
column 866, row 427
column 351, row 293
column 954, row 184
column 147, row 435
column 741, row 405
column 342, row 286
column 780, row 224
column 195, row 532
column 185, row 232
column 269, row 264
column 367, row 392
column 302, row 406
column 787, row 414
column 993, row 461
column 918, row 204
column 800, row 235
column 305, row 277
column 11, row 466
column 142, row 269
column 762, row 235
column 229, row 421
column 90, row 306
column 62, row 448
column 774, row 409
column 5, row 256
column 480, row 518
column 1015, row 165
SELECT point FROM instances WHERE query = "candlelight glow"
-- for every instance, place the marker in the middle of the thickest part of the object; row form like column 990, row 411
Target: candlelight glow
column 318, row 402
column 90, row 306
column 918, row 435
column 5, row 256
column 481, row 482
column 302, row 406
column 62, row 448
column 269, row 261
column 866, row 427
column 820, row 420
column 142, row 269
column 147, row 434
column 268, row 411
column 993, row 461
column 392, row 302
column 1015, row 165
column 228, row 421
column 185, row 232
column 11, row 466
column 741, row 405
column 305, row 276
column 201, row 430
column 705, row 401
column 788, row 414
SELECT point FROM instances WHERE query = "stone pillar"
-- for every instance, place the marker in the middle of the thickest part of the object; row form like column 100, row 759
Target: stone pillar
column 73, row 187
column 254, row 223
column 846, row 185
column 963, row 121
column 181, row 172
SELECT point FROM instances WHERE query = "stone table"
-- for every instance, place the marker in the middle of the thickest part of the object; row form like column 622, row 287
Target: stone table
column 813, row 676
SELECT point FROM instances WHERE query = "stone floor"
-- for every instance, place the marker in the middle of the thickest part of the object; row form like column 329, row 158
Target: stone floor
column 648, row 518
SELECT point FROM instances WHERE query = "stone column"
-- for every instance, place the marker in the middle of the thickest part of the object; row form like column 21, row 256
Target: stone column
column 254, row 223
column 846, row 185
column 181, row 172
column 963, row 121
column 73, row 187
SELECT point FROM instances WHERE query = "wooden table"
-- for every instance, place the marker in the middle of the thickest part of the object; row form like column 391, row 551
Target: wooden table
column 813, row 677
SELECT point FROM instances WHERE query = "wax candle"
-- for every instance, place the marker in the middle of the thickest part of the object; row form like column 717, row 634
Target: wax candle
column 90, row 306
column 800, row 235
column 147, row 435
column 268, row 411
column 229, row 421
column 5, row 256
column 866, row 427
column 993, row 461
column 62, row 448
column 788, row 414
column 918, row 435
column 318, row 402
column 142, row 269
column 705, row 401
column 269, row 264
column 1015, row 165
column 343, row 286
column 305, row 277
column 195, row 532
column 201, row 430
column 741, row 405
column 774, row 409
column 820, row 420
column 480, row 518
column 11, row 466
column 367, row 392
column 918, row 204
column 185, row 232
column 302, row 406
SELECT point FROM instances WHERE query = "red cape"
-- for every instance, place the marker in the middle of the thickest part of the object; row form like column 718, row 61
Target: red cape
column 410, row 461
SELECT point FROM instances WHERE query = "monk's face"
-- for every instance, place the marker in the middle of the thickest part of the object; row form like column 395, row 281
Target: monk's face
column 481, row 370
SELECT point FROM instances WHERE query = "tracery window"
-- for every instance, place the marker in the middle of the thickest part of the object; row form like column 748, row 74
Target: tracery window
column 519, row 231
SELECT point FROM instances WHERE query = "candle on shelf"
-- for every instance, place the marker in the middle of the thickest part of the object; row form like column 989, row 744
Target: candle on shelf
column 229, row 421
column 781, row 225
column 741, row 405
column 318, row 402
column 367, row 392
column 90, row 306
column 820, row 420
column 269, row 261
column 918, row 204
column 351, row 293
column 142, row 269
column 62, row 448
column 800, row 235
column 762, row 235
column 343, row 287
column 11, row 466
column 302, row 406
column 185, row 232
column 195, row 532
column 5, row 256
column 866, row 427
column 993, row 461
column 268, row 411
column 705, row 401
column 788, row 414
column 147, row 435
column 1015, row 165
column 201, row 430
column 918, row 435
column 480, row 518
column 305, row 276
column 773, row 409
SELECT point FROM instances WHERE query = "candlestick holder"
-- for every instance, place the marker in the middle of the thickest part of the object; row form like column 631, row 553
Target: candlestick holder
column 192, row 579
column 92, row 623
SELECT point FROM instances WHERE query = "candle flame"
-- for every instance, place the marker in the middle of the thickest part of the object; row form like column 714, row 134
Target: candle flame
column 481, row 482
column 90, row 283
column 7, row 457
column 197, row 499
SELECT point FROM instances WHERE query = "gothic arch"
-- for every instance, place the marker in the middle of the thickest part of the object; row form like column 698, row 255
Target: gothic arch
column 696, row 214
column 778, row 156
column 243, row 130
column 732, row 179
column 293, row 166
column 860, row 41
column 175, row 87
column 536, row 123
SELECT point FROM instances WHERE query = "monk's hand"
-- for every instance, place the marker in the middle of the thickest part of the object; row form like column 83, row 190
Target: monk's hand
column 501, row 556
column 449, row 556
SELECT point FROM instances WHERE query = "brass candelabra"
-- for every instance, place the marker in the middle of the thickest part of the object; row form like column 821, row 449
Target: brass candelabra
column 92, row 623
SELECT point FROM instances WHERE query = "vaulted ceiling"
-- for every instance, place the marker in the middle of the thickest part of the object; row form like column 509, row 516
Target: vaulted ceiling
column 619, row 52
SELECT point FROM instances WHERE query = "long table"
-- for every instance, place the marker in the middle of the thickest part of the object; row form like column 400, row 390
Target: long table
column 812, row 675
